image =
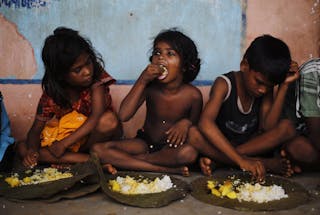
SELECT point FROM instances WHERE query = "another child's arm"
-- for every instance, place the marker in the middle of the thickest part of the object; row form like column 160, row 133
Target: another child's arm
column 33, row 144
column 136, row 95
column 214, row 135
column 178, row 133
column 98, row 108
column 272, row 108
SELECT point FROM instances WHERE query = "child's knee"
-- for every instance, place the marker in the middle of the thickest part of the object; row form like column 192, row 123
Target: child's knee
column 194, row 135
column 301, row 149
column 96, row 148
column 187, row 155
column 287, row 128
column 99, row 148
column 108, row 122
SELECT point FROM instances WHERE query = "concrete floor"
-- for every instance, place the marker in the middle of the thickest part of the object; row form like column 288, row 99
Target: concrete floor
column 99, row 204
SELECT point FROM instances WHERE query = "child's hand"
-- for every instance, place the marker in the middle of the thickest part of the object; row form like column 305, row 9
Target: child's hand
column 151, row 72
column 31, row 159
column 255, row 167
column 178, row 133
column 293, row 73
column 57, row 149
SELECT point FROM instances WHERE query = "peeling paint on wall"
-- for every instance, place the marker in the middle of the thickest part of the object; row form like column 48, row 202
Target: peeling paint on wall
column 17, row 57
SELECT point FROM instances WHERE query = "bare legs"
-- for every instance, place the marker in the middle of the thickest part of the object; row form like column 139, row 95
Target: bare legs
column 46, row 157
column 108, row 127
column 133, row 154
column 303, row 154
column 254, row 147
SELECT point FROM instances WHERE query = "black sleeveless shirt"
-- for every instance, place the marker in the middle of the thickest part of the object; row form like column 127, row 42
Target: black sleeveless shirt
column 237, row 126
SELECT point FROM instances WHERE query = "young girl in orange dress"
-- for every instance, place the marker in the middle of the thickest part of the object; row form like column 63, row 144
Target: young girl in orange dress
column 75, row 110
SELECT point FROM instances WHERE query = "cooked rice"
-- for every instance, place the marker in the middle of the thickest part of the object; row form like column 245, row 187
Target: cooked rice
column 236, row 189
column 39, row 176
column 130, row 185
column 260, row 193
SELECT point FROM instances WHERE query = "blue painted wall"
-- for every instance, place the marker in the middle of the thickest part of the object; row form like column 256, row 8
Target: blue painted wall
column 122, row 30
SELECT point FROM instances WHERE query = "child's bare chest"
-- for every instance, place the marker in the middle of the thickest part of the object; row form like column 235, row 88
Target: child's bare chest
column 170, row 108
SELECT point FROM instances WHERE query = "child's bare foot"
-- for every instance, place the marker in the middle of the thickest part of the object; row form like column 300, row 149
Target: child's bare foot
column 56, row 149
column 206, row 165
column 278, row 165
column 185, row 171
column 295, row 168
column 110, row 169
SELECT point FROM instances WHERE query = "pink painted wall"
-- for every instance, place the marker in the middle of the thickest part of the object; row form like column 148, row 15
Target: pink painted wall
column 296, row 22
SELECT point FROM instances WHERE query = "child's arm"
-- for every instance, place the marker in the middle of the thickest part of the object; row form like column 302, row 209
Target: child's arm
column 214, row 135
column 33, row 144
column 136, row 95
column 98, row 108
column 178, row 133
column 271, row 109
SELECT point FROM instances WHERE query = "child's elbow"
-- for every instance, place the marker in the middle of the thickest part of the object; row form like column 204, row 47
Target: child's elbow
column 202, row 124
column 123, row 117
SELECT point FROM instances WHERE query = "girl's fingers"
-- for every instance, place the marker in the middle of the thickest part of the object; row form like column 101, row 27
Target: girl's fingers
column 25, row 163
column 173, row 140
column 180, row 140
column 183, row 140
column 29, row 162
column 260, row 172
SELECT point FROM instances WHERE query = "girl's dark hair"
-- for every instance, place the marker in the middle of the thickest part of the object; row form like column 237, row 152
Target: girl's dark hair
column 185, row 47
column 270, row 56
column 59, row 53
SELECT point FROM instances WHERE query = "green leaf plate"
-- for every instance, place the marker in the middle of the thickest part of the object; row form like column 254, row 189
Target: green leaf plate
column 152, row 200
column 47, row 189
column 297, row 195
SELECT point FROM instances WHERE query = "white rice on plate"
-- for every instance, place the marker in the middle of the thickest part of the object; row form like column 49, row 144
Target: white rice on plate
column 129, row 185
column 260, row 193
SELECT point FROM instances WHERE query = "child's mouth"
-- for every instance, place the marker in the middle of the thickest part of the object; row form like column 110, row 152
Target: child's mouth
column 164, row 73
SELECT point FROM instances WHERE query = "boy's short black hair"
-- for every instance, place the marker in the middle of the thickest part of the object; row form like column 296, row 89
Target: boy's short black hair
column 185, row 47
column 269, row 56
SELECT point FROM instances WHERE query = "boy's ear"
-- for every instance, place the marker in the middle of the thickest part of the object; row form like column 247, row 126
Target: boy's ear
column 244, row 65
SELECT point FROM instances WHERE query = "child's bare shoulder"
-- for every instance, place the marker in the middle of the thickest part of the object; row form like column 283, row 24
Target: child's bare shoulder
column 192, row 90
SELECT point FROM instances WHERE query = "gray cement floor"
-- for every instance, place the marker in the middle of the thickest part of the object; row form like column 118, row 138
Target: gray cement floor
column 99, row 204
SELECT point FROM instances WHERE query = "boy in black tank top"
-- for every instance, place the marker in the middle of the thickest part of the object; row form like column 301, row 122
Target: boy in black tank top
column 241, row 119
